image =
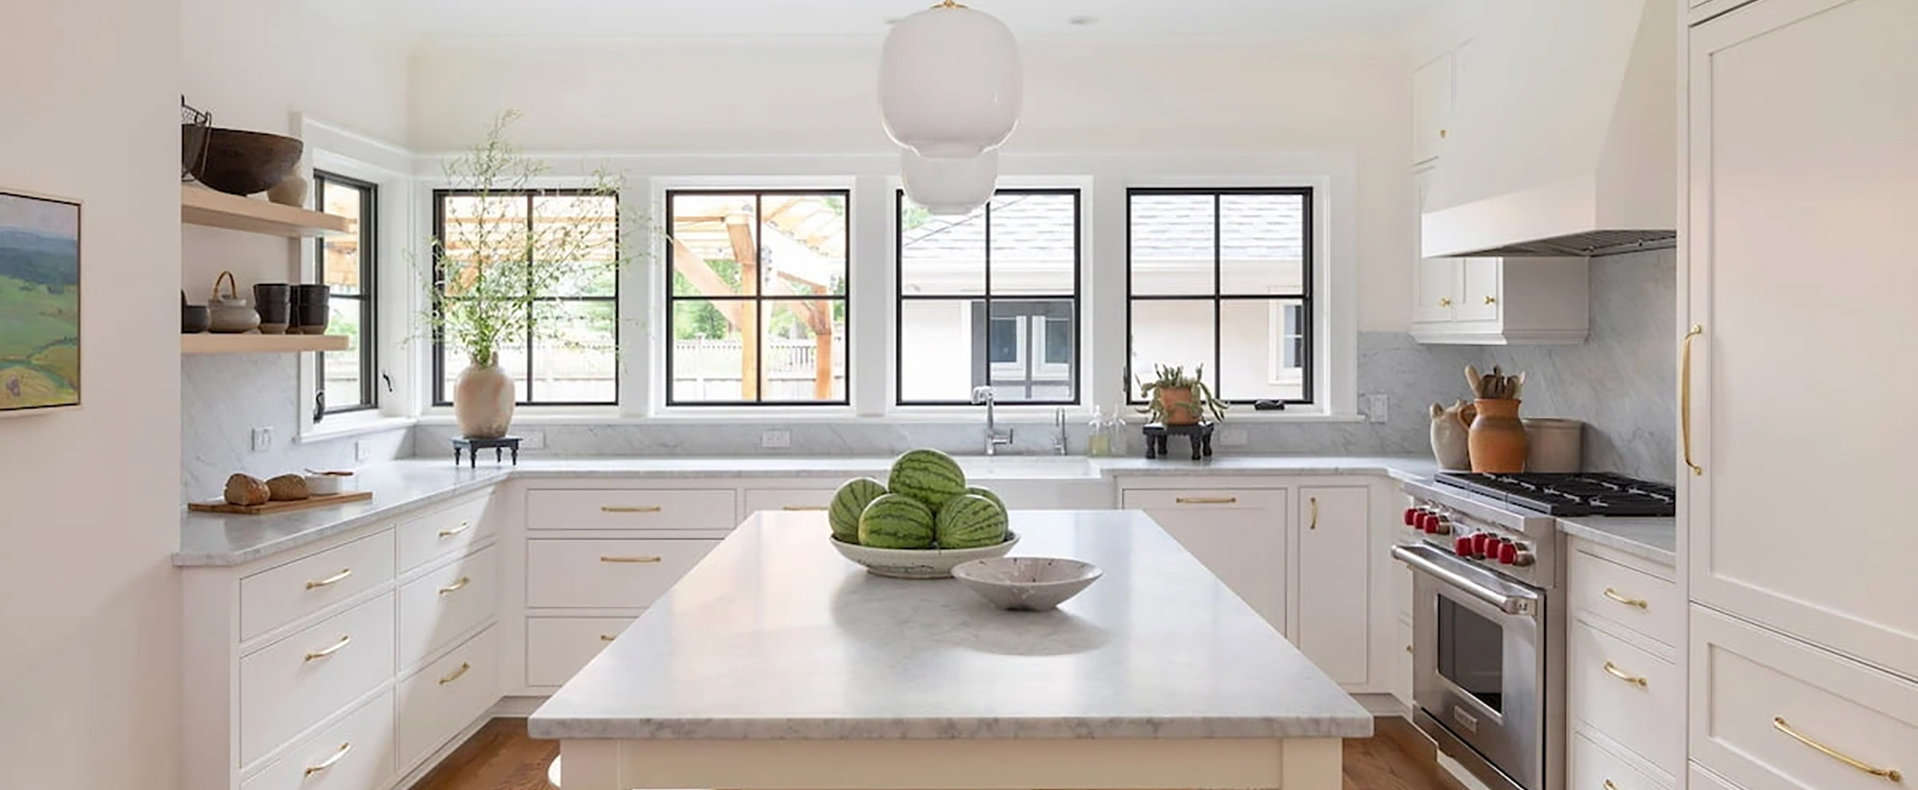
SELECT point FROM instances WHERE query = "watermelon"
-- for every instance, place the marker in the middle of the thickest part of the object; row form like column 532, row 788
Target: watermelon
column 930, row 476
column 848, row 502
column 987, row 493
column 896, row 521
column 969, row 521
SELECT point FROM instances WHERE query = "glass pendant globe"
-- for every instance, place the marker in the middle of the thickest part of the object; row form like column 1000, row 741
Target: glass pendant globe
column 949, row 187
column 950, row 83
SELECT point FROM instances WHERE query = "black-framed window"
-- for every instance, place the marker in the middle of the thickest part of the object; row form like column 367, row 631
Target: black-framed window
column 1223, row 278
column 756, row 295
column 569, row 355
column 349, row 265
column 991, row 298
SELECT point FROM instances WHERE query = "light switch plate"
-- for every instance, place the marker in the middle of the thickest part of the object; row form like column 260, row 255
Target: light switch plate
column 775, row 440
column 1376, row 407
column 262, row 438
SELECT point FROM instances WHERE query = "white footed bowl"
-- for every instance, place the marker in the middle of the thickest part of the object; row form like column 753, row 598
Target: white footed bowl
column 1029, row 583
column 918, row 563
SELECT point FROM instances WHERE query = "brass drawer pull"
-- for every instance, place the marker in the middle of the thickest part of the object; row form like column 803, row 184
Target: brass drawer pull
column 1637, row 602
column 327, row 651
column 328, row 762
column 1206, row 500
column 1610, row 786
column 1445, row 301
column 1614, row 671
column 607, row 637
column 797, row 508
column 455, row 675
column 464, row 580
column 464, row 526
column 314, row 584
column 1491, row 300
column 1778, row 723
column 1685, row 397
column 638, row 558
column 1315, row 513
column 629, row 508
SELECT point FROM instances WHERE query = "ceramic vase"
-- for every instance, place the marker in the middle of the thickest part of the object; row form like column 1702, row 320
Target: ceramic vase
column 1497, row 438
column 1180, row 405
column 483, row 402
column 1450, row 427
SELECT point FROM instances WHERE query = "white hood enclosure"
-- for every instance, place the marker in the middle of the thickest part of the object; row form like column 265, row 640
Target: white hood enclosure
column 1564, row 144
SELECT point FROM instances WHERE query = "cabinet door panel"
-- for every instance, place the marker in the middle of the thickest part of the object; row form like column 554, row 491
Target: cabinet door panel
column 1237, row 534
column 1431, row 107
column 1479, row 300
column 1334, row 581
column 1438, row 289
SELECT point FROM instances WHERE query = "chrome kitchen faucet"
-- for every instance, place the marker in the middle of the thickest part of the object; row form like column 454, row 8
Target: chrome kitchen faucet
column 994, row 437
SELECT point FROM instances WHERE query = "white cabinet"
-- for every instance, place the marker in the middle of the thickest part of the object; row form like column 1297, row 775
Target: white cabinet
column 1239, row 534
column 1502, row 301
column 1431, row 107
column 1798, row 275
column 1334, row 540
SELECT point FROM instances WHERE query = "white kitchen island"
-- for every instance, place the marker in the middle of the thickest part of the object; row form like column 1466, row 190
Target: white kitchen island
column 777, row 664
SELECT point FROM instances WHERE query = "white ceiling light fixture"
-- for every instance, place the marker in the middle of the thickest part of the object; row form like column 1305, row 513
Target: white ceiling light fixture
column 949, row 187
column 950, row 83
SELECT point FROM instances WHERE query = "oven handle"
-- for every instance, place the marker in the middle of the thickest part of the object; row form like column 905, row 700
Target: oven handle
column 1420, row 559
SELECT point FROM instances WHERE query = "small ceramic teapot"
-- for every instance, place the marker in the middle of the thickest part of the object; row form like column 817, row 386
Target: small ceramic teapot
column 231, row 313
column 1451, row 429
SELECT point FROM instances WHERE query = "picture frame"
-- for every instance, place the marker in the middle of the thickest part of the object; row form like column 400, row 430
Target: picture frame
column 40, row 303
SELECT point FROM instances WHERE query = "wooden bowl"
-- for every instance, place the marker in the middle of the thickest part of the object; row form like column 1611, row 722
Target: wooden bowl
column 239, row 162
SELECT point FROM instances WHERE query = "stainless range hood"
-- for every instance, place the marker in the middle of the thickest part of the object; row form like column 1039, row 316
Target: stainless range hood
column 1565, row 133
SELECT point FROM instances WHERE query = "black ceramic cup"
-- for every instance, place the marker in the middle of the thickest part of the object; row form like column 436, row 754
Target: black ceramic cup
column 310, row 311
column 271, row 299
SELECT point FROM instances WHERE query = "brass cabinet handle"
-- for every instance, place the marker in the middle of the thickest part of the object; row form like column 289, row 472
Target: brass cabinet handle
column 328, row 762
column 802, row 507
column 464, row 526
column 1206, row 500
column 1610, row 786
column 455, row 674
column 607, row 637
column 314, row 584
column 1441, row 134
column 1315, row 513
column 1614, row 671
column 327, row 651
column 629, row 508
column 1408, row 648
column 464, row 580
column 1685, row 396
column 1638, row 602
column 1445, row 301
column 641, row 558
column 1491, row 300
column 1778, row 723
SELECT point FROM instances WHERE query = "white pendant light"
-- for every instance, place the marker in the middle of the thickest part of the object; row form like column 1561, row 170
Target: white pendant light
column 950, row 85
column 949, row 187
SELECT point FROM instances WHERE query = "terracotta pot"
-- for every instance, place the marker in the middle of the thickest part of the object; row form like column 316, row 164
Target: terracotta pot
column 483, row 402
column 1180, row 405
column 1497, row 438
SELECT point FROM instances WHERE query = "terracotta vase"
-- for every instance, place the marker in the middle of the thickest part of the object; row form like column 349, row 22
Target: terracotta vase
column 1450, row 427
column 1181, row 407
column 483, row 402
column 1497, row 438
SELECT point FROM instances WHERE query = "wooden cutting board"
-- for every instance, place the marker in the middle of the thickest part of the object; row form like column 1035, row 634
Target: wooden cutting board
column 318, row 500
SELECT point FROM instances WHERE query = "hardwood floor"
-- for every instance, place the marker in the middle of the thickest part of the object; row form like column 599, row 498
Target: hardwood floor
column 501, row 757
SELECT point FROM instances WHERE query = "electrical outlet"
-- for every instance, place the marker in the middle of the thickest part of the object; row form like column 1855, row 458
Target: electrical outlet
column 362, row 450
column 262, row 439
column 775, row 440
column 1232, row 437
column 1376, row 407
column 532, row 440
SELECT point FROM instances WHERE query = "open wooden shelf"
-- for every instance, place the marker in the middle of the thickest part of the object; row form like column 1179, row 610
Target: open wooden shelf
column 202, row 206
column 208, row 343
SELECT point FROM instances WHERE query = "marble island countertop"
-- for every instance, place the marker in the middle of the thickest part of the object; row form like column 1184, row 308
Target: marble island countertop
column 813, row 647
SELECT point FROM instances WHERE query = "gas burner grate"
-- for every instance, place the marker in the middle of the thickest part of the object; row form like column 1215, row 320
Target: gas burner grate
column 1576, row 494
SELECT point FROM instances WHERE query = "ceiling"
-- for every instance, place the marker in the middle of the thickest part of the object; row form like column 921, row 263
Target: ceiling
column 1116, row 19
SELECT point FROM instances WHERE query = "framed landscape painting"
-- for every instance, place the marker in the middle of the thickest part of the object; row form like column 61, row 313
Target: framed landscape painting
column 39, row 303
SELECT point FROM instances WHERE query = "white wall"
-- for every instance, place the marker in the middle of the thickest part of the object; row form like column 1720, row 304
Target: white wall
column 89, row 604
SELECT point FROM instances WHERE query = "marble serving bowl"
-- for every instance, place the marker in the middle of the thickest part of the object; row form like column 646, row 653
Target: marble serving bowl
column 1027, row 583
column 918, row 563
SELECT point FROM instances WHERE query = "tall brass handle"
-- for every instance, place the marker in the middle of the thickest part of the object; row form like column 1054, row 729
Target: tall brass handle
column 327, row 651
column 797, row 508
column 1206, row 500
column 1315, row 513
column 464, row 526
column 1638, row 602
column 1614, row 671
column 629, row 508
column 1685, row 396
column 464, row 580
column 643, row 558
column 1778, row 723
column 328, row 762
column 455, row 675
column 314, row 584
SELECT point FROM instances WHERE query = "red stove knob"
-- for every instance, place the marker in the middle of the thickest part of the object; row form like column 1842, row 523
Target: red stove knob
column 1432, row 522
column 1411, row 516
column 1522, row 558
column 1463, row 546
column 1479, row 539
column 1507, row 553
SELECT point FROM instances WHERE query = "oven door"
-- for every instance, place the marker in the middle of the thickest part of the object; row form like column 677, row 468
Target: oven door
column 1479, row 665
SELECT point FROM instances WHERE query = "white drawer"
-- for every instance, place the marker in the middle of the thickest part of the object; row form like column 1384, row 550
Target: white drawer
column 651, row 509
column 354, row 753
column 607, row 573
column 445, row 696
column 1594, row 768
column 277, row 596
column 788, row 499
column 1204, row 499
column 557, row 647
column 1627, row 596
column 446, row 602
column 447, row 531
column 1646, row 717
column 290, row 684
column 1749, row 685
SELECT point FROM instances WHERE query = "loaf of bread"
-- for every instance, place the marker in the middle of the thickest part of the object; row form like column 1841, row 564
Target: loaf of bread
column 287, row 488
column 242, row 489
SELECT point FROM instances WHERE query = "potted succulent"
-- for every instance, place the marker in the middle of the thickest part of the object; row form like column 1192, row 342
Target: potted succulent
column 493, row 267
column 1173, row 398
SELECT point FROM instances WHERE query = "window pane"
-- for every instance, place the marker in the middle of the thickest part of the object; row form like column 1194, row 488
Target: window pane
column 709, row 361
column 511, row 359
column 1261, row 244
column 941, row 255
column 483, row 236
column 1262, row 350
column 936, row 350
column 1172, row 245
column 340, row 255
column 1172, row 332
column 575, row 353
column 1034, row 244
column 714, row 244
column 1030, row 350
column 340, row 370
column 804, row 240
column 805, row 355
column 579, row 233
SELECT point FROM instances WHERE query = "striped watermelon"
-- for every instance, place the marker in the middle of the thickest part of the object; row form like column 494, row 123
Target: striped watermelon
column 848, row 502
column 896, row 521
column 930, row 476
column 987, row 493
column 970, row 521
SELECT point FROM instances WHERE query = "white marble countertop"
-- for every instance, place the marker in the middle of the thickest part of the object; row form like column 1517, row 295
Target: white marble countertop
column 215, row 539
column 775, row 636
column 1655, row 539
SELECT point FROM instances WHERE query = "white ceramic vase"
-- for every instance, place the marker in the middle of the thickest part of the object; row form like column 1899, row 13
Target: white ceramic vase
column 483, row 402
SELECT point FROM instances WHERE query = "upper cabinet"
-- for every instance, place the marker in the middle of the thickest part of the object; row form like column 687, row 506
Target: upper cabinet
column 1432, row 87
column 1499, row 301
